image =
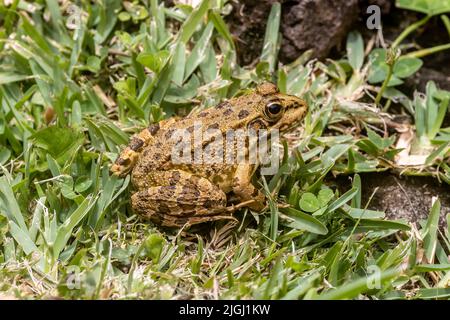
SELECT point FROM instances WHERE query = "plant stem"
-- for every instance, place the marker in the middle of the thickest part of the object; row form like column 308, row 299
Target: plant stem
column 410, row 29
column 385, row 84
column 387, row 105
column 446, row 22
column 425, row 52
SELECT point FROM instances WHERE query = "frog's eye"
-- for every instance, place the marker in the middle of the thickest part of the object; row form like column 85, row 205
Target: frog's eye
column 274, row 109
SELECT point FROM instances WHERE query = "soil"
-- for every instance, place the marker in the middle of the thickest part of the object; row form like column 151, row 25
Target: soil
column 401, row 197
column 323, row 25
column 305, row 24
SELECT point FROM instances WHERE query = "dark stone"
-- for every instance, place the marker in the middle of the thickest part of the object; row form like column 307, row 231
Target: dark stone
column 305, row 24
column 315, row 24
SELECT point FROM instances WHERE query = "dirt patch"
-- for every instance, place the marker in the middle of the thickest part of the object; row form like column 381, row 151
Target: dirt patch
column 305, row 24
column 322, row 25
column 247, row 22
column 402, row 197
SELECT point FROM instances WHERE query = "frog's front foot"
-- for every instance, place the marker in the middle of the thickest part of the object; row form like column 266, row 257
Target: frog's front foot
column 245, row 190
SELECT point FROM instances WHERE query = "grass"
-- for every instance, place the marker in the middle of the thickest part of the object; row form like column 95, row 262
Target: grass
column 76, row 82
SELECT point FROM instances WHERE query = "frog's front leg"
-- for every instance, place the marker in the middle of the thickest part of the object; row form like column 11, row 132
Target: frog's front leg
column 244, row 189
column 129, row 156
column 176, row 197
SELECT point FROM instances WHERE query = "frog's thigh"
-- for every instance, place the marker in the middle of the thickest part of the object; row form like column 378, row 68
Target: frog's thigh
column 179, row 193
column 244, row 189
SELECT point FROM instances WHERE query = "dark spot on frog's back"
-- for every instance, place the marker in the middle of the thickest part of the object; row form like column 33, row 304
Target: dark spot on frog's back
column 189, row 192
column 222, row 105
column 227, row 112
column 169, row 133
column 136, row 143
column 243, row 114
column 167, row 191
column 122, row 161
column 157, row 156
column 213, row 126
column 203, row 114
column 154, row 128
column 175, row 177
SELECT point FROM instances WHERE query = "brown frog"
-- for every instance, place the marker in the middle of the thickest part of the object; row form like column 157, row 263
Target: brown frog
column 175, row 193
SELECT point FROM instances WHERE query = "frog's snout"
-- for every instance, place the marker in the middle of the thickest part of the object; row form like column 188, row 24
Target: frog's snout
column 123, row 165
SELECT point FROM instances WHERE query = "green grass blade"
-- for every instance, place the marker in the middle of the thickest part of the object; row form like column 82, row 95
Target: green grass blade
column 193, row 21
column 270, row 48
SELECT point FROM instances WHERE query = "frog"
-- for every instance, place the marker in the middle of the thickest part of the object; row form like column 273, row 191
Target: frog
column 175, row 193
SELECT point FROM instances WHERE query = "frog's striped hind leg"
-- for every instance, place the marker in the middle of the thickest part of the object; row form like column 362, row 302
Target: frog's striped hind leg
column 174, row 198
column 129, row 156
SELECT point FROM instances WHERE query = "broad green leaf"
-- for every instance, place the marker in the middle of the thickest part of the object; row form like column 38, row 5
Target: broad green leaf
column 343, row 199
column 353, row 288
column 6, row 77
column 153, row 246
column 65, row 230
column 23, row 238
column 221, row 27
column 429, row 7
column 432, row 107
column 193, row 21
column 356, row 201
column 334, row 153
column 432, row 267
column 9, row 206
column 374, row 225
column 406, row 67
column 357, row 213
column 355, row 50
column 309, row 202
column 301, row 221
column 58, row 142
column 199, row 52
column 324, row 196
column 433, row 293
column 153, row 61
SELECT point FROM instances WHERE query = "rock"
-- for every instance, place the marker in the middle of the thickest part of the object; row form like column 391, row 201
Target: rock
column 315, row 24
column 305, row 24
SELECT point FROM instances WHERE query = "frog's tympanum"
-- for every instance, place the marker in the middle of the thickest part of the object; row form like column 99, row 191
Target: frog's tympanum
column 175, row 193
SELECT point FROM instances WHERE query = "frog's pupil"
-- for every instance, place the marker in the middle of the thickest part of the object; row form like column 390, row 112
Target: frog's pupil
column 274, row 108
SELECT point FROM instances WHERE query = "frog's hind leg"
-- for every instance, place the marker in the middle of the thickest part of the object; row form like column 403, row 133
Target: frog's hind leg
column 129, row 156
column 178, row 197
